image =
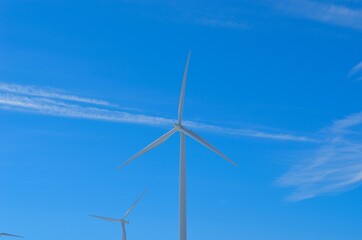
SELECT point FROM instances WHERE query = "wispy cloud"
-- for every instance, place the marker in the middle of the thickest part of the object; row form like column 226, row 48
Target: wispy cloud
column 323, row 12
column 218, row 15
column 43, row 101
column 58, row 108
column 222, row 23
column 335, row 166
column 356, row 72
column 249, row 132
column 48, row 93
column 356, row 69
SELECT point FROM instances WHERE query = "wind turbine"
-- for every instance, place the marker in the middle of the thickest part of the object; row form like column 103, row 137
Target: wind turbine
column 9, row 235
column 178, row 127
column 123, row 220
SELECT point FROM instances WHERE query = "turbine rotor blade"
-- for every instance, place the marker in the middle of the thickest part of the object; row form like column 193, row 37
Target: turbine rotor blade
column 106, row 218
column 154, row 144
column 10, row 235
column 206, row 144
column 133, row 205
column 183, row 87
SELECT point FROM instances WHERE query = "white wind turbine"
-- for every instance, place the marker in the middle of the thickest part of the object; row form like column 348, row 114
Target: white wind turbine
column 123, row 220
column 178, row 127
column 9, row 235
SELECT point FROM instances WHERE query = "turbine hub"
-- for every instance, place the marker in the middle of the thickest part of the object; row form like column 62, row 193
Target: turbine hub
column 178, row 126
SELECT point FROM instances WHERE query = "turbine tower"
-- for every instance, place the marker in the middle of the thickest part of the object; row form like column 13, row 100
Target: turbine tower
column 9, row 235
column 178, row 127
column 123, row 220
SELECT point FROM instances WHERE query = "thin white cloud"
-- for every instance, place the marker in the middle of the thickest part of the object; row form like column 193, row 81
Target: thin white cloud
column 59, row 108
column 334, row 167
column 356, row 70
column 323, row 12
column 49, row 104
column 222, row 23
column 248, row 132
column 202, row 13
column 345, row 125
column 49, row 93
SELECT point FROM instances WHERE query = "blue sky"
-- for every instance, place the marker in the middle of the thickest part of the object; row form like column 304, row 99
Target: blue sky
column 275, row 85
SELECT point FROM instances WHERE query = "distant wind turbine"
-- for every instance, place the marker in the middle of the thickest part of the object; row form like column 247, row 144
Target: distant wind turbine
column 9, row 235
column 123, row 220
column 178, row 127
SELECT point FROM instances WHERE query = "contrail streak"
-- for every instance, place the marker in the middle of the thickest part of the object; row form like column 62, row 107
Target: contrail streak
column 48, row 93
column 50, row 102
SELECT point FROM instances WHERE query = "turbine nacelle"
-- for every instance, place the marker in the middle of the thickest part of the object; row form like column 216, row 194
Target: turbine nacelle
column 178, row 127
column 123, row 220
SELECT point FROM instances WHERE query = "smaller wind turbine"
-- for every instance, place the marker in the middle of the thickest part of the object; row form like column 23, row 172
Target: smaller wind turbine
column 9, row 235
column 123, row 220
